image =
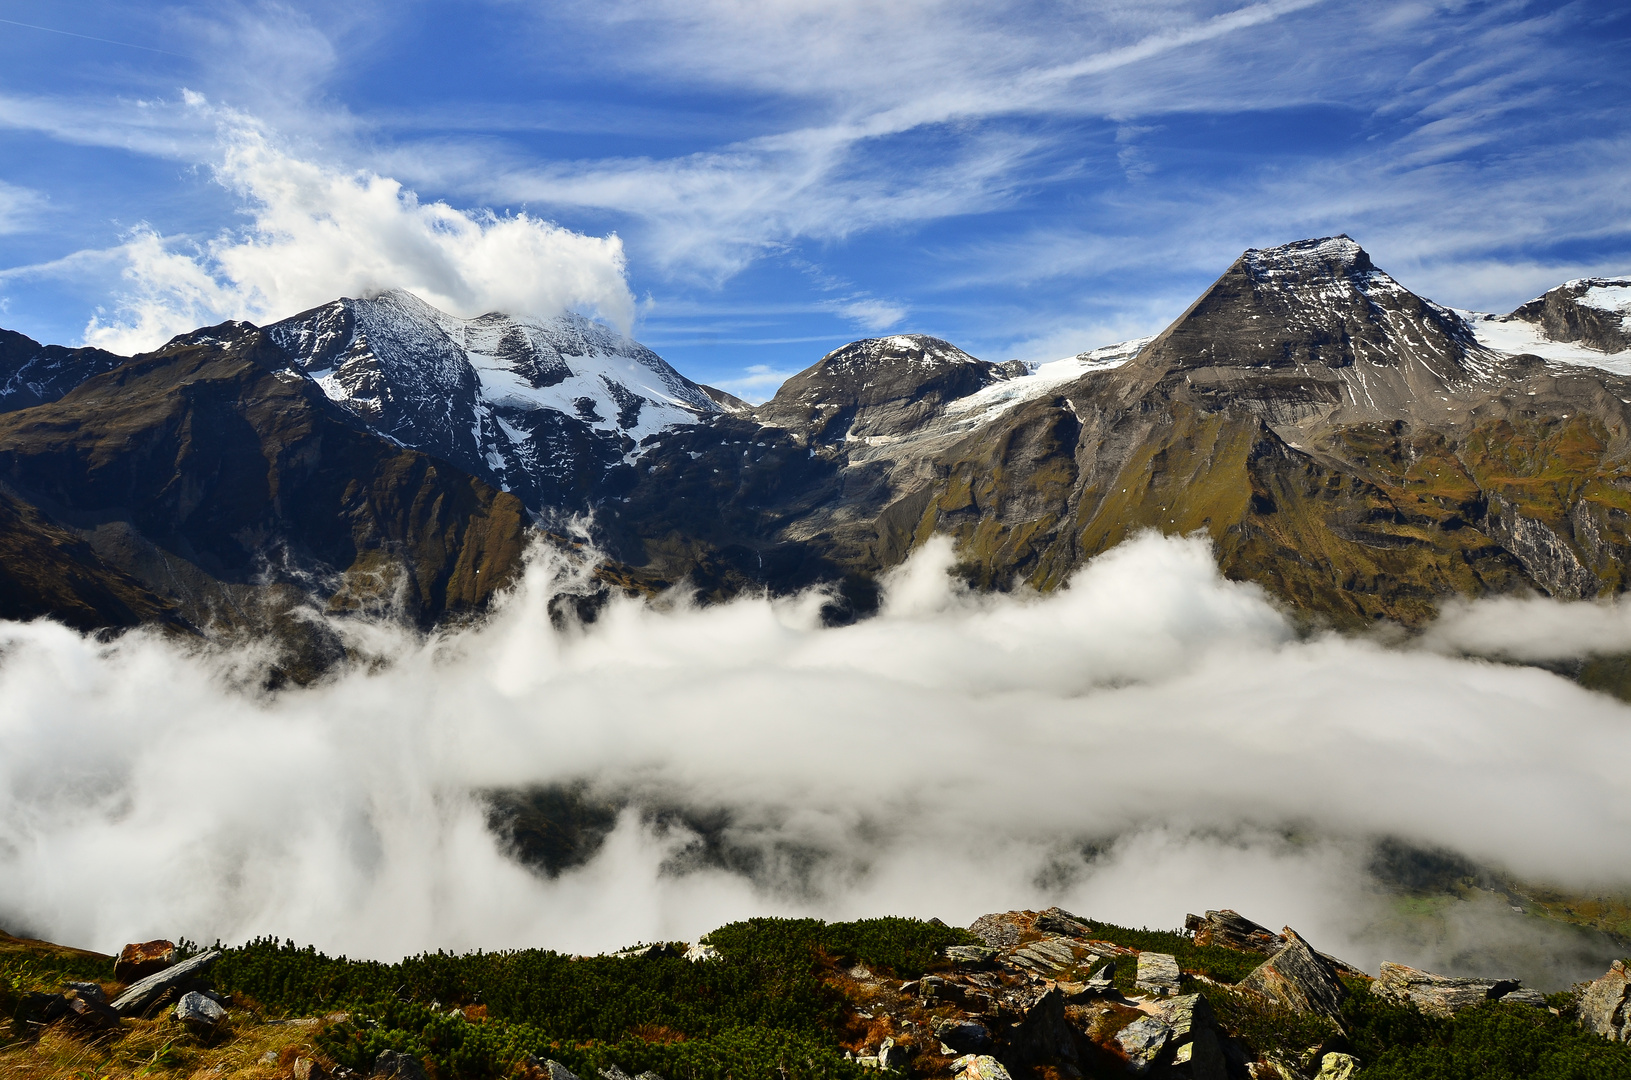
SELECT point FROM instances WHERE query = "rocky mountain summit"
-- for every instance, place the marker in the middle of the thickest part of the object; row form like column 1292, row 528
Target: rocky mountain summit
column 1360, row 451
column 1020, row 995
column 537, row 407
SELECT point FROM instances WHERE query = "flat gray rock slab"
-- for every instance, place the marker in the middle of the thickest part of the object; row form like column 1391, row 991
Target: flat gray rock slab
column 143, row 993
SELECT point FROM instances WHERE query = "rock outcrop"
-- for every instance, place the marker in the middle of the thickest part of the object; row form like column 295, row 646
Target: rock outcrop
column 1605, row 1007
column 1446, row 995
column 1299, row 979
column 1231, row 930
column 145, row 993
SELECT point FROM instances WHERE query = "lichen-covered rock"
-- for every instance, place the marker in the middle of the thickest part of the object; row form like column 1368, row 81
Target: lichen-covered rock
column 1199, row 1051
column 997, row 930
column 1232, row 930
column 1157, row 973
column 971, row 955
column 1605, row 1007
column 1142, row 1042
column 1438, row 995
column 1335, row 1066
column 979, row 1067
column 1299, row 978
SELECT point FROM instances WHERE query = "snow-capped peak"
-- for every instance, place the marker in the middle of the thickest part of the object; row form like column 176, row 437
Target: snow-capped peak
column 534, row 405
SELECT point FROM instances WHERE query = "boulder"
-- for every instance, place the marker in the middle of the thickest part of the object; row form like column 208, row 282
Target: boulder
column 307, row 1069
column 932, row 988
column 199, row 1012
column 1299, row 979
column 1605, row 1007
column 1157, row 973
column 1059, row 921
column 976, row 956
column 1443, row 995
column 1142, row 1042
column 1199, row 1050
column 146, row 992
column 138, row 961
column 402, row 1065
column 612, row 1072
column 979, row 1067
column 1232, row 930
column 88, row 990
column 93, row 1014
column 893, row 1056
column 1335, row 1066
column 964, row 1036
column 1041, row 1036
column 1102, row 981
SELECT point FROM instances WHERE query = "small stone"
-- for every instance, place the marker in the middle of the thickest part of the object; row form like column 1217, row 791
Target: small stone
column 88, row 990
column 1142, row 1041
column 307, row 1069
column 964, row 1036
column 893, row 1056
column 199, row 1012
column 1157, row 973
column 397, row 1063
column 91, row 1013
column 979, row 1067
column 269, row 1058
column 551, row 1068
column 1335, row 1066
column 141, row 960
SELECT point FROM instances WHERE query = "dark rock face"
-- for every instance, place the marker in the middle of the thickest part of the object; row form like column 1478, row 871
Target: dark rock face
column 1596, row 312
column 202, row 474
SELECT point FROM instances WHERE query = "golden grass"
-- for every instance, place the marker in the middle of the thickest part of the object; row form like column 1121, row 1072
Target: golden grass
column 163, row 1050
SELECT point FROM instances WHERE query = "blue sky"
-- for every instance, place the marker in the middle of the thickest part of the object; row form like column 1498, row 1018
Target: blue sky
column 747, row 185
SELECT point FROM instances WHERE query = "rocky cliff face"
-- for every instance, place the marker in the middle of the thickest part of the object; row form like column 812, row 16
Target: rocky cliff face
column 1596, row 312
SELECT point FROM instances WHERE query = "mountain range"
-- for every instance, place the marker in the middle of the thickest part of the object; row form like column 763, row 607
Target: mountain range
column 1360, row 451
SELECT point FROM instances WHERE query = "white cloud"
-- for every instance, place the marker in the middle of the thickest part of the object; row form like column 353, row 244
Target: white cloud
column 317, row 233
column 20, row 208
column 757, row 383
column 1152, row 740
column 870, row 313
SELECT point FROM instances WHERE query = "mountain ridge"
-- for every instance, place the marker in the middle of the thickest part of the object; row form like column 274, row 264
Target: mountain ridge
column 1362, row 452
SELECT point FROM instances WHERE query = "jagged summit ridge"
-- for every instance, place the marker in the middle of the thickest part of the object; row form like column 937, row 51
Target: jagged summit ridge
column 540, row 407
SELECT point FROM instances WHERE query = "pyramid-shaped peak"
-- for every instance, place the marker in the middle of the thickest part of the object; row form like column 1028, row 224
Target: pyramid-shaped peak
column 1324, row 257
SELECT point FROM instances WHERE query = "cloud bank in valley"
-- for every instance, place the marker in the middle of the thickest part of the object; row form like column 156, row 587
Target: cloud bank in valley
column 1152, row 740
column 316, row 233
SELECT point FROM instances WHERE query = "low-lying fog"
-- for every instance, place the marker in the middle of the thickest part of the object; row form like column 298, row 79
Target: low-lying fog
column 1150, row 741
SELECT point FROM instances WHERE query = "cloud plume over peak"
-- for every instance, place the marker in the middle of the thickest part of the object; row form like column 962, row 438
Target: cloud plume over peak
column 1151, row 739
column 316, row 233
